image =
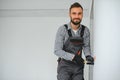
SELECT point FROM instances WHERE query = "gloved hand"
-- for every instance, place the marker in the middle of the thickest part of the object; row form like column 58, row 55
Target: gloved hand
column 79, row 60
column 90, row 60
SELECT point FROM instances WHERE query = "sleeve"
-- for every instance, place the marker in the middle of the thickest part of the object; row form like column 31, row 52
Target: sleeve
column 86, row 47
column 58, row 47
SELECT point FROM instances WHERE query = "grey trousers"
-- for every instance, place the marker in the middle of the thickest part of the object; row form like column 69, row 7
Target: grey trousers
column 68, row 70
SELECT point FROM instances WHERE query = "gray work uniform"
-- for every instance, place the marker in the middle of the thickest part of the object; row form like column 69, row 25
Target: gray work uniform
column 67, row 69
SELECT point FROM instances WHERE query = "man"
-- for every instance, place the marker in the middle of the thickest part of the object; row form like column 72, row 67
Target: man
column 71, row 39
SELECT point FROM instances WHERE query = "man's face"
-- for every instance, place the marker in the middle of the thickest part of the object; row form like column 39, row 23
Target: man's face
column 76, row 15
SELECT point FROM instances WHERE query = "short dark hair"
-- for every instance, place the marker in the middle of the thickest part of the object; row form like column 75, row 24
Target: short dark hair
column 76, row 4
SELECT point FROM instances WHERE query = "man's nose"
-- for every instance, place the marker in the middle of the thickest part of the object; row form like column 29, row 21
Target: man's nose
column 76, row 16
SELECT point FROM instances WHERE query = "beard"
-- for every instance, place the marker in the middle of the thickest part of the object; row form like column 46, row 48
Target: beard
column 76, row 22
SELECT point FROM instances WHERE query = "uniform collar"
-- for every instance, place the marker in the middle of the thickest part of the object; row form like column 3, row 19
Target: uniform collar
column 69, row 26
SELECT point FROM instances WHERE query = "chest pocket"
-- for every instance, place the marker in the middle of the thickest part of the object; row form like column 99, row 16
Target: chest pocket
column 74, row 44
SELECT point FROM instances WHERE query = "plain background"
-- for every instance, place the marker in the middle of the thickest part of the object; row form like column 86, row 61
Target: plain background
column 107, row 39
column 27, row 35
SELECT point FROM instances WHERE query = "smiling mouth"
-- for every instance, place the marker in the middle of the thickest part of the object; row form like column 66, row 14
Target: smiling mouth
column 76, row 19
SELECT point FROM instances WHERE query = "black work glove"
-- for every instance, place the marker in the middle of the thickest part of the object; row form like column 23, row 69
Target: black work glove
column 79, row 60
column 90, row 60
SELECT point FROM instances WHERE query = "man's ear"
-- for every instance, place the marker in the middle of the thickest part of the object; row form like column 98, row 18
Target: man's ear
column 69, row 14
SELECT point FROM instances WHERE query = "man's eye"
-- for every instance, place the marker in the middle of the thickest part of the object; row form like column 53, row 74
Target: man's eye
column 79, row 13
column 74, row 13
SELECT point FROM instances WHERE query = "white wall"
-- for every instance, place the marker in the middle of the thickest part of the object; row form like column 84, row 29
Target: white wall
column 41, row 4
column 107, row 40
column 26, row 49
column 27, row 37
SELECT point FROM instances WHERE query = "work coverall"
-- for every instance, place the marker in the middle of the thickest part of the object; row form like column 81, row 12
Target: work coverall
column 67, row 68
